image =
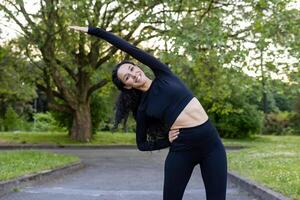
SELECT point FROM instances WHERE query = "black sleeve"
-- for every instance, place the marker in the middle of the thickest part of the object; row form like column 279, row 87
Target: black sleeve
column 156, row 66
column 141, row 136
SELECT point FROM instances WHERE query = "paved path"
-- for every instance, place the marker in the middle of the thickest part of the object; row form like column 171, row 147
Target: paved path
column 116, row 174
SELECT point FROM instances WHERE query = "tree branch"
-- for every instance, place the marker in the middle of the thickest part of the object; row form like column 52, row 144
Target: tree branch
column 26, row 15
column 15, row 20
column 59, row 107
column 239, row 32
column 206, row 11
column 31, row 60
column 46, row 90
column 96, row 86
column 67, row 69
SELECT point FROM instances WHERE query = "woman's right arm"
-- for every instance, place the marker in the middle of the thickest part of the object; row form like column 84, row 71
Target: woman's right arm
column 125, row 46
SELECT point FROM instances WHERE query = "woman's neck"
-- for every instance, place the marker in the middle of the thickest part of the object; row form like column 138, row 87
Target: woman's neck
column 146, row 86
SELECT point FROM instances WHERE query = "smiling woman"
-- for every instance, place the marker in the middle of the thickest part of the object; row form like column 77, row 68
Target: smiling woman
column 168, row 115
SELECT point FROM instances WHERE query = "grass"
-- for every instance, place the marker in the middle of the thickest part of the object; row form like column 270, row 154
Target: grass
column 272, row 161
column 60, row 138
column 18, row 163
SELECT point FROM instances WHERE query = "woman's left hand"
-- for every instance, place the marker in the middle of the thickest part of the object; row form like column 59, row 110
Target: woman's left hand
column 79, row 28
column 173, row 134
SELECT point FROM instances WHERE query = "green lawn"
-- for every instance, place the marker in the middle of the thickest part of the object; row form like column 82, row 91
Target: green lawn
column 101, row 138
column 272, row 161
column 19, row 162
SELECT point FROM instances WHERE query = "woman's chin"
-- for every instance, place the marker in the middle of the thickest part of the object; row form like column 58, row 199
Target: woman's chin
column 140, row 85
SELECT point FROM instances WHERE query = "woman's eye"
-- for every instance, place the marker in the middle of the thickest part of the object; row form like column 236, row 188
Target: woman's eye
column 131, row 69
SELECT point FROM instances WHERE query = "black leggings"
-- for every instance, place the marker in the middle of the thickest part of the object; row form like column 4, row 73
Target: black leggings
column 196, row 145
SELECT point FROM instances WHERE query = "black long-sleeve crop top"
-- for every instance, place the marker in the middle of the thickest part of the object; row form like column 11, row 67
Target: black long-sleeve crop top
column 163, row 101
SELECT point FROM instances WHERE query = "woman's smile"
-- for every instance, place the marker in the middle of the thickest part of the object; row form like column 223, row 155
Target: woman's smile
column 138, row 77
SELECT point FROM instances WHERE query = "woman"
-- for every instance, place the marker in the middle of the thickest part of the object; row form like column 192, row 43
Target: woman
column 168, row 108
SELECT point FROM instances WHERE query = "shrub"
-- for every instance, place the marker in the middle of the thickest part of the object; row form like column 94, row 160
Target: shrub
column 1, row 125
column 45, row 122
column 25, row 125
column 280, row 123
column 296, row 117
column 11, row 120
column 242, row 124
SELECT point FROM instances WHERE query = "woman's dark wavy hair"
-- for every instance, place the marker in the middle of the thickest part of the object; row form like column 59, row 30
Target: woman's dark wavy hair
column 128, row 101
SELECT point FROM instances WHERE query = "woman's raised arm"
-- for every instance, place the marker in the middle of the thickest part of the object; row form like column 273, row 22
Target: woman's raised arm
column 125, row 46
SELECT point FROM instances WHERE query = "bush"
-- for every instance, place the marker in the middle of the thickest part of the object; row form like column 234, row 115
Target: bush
column 242, row 124
column 1, row 125
column 280, row 123
column 296, row 117
column 25, row 125
column 11, row 120
column 45, row 122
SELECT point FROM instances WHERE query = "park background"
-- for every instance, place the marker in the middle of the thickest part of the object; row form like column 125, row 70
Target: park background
column 240, row 59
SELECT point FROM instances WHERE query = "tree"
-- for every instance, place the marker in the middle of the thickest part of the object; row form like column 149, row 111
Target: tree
column 69, row 63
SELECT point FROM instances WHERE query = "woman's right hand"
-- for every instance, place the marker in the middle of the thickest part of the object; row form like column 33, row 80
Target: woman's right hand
column 79, row 28
column 173, row 134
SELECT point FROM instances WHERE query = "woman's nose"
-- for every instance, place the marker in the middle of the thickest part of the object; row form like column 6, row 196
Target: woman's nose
column 133, row 76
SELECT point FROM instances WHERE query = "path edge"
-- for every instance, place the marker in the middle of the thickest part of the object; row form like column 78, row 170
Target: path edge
column 255, row 189
column 10, row 186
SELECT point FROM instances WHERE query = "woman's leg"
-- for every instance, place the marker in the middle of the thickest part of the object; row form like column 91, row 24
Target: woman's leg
column 178, row 170
column 214, row 173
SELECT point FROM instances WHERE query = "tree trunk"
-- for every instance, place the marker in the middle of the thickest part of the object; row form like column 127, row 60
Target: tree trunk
column 82, row 124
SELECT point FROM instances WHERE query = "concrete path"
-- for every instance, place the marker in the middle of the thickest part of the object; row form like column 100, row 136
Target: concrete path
column 116, row 174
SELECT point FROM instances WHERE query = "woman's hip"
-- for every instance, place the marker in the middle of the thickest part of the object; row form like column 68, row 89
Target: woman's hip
column 202, row 137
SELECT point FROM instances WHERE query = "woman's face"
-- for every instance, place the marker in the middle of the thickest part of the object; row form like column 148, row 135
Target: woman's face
column 131, row 75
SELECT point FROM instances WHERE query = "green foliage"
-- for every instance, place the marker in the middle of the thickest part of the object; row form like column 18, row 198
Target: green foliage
column 15, row 77
column 1, row 124
column 296, row 118
column 45, row 122
column 63, row 119
column 16, row 88
column 280, row 123
column 101, row 105
column 241, row 124
column 11, row 120
column 227, row 95
column 24, row 124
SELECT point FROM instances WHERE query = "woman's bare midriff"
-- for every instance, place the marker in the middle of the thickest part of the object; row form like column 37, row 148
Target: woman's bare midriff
column 192, row 115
